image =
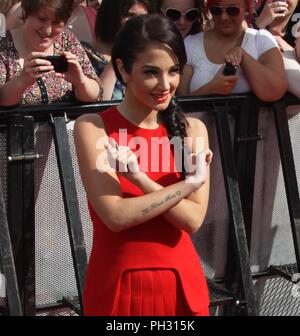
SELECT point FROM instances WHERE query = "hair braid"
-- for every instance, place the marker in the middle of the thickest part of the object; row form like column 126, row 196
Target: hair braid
column 175, row 123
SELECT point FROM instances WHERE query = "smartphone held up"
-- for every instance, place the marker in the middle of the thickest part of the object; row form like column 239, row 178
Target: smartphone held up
column 59, row 63
column 229, row 69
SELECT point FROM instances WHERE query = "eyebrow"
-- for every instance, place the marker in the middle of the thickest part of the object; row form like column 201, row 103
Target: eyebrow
column 155, row 67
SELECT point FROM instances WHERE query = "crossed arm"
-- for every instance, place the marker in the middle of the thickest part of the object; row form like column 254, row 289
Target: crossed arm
column 183, row 203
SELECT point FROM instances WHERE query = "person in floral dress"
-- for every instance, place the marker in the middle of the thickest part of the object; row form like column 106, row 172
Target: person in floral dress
column 26, row 77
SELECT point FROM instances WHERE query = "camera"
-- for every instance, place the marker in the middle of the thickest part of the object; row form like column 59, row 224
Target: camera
column 229, row 69
column 59, row 62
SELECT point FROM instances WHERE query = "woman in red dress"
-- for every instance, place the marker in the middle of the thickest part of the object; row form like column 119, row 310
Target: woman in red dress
column 143, row 200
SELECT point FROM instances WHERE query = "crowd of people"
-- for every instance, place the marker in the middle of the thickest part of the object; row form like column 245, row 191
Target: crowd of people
column 256, row 41
column 259, row 39
column 111, row 49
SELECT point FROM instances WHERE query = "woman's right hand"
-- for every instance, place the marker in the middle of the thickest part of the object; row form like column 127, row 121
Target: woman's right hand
column 124, row 161
column 34, row 67
column 272, row 10
column 222, row 84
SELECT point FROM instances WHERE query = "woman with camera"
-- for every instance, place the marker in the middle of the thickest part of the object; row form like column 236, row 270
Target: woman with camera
column 254, row 54
column 27, row 76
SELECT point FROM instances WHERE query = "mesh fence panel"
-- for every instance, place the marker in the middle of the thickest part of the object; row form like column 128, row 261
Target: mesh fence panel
column 294, row 126
column 3, row 163
column 54, row 267
column 271, row 237
column 277, row 297
column 57, row 312
column 211, row 240
column 271, row 241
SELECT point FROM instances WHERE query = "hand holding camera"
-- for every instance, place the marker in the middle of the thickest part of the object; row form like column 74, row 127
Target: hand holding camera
column 74, row 73
column 35, row 66
column 59, row 63
column 66, row 66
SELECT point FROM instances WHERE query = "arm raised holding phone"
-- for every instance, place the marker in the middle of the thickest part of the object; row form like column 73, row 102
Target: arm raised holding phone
column 41, row 62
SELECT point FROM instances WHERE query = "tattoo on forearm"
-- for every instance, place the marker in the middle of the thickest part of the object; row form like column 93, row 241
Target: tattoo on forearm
column 157, row 204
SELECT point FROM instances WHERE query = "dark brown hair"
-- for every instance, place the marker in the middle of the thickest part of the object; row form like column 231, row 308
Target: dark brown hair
column 61, row 8
column 110, row 17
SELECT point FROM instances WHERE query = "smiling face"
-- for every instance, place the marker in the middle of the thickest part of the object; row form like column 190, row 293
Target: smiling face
column 153, row 79
column 184, row 26
column 41, row 28
column 228, row 15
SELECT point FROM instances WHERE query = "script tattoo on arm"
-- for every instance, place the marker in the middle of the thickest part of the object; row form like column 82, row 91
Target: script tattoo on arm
column 165, row 200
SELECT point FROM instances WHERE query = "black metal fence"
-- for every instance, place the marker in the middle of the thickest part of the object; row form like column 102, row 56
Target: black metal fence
column 249, row 243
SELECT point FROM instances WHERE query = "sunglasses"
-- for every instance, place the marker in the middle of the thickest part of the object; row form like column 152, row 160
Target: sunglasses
column 174, row 14
column 230, row 10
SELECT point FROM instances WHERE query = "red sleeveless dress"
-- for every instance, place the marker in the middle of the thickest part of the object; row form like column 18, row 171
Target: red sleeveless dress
column 155, row 252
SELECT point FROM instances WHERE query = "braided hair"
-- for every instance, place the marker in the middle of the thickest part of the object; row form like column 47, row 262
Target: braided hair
column 176, row 125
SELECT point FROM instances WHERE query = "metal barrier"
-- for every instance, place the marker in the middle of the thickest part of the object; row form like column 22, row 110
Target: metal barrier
column 232, row 288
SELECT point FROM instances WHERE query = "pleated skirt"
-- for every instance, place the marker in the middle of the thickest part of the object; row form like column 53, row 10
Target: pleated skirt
column 152, row 293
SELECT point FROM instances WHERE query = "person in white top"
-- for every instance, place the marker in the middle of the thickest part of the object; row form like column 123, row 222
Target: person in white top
column 255, row 55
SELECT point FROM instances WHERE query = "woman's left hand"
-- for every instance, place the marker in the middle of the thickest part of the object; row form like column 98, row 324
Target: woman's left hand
column 74, row 74
column 234, row 56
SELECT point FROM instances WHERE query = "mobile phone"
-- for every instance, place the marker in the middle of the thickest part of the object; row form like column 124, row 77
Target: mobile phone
column 59, row 62
column 229, row 69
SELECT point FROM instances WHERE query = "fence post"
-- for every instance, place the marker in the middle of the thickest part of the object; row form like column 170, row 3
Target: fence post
column 235, row 209
column 7, row 264
column 289, row 173
column 67, row 180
